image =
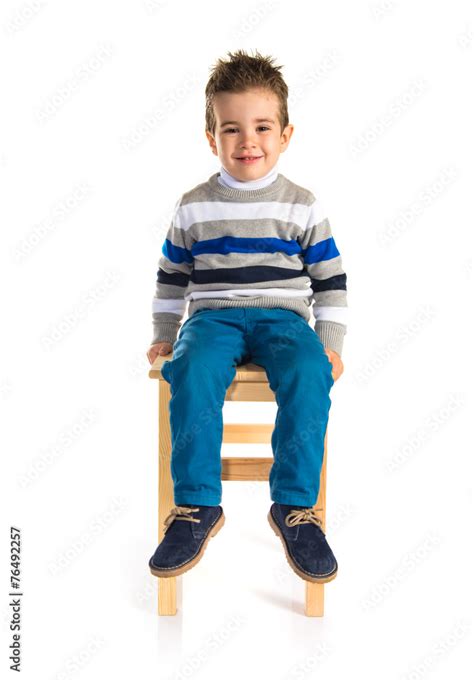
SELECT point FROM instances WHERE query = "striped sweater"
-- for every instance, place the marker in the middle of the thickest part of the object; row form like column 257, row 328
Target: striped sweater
column 270, row 247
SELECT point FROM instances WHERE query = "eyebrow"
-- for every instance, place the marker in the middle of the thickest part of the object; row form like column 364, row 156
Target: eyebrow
column 256, row 120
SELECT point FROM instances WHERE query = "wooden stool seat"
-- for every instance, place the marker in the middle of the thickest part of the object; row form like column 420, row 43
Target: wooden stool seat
column 250, row 384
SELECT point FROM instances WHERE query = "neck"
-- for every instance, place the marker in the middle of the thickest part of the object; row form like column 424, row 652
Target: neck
column 228, row 180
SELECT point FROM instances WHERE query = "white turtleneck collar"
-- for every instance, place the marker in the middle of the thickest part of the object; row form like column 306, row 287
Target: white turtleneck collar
column 228, row 180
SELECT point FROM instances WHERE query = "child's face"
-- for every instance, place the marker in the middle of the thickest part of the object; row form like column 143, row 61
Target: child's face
column 238, row 133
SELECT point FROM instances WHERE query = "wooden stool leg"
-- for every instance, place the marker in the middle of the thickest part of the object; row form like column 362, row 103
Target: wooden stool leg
column 314, row 592
column 314, row 599
column 166, row 586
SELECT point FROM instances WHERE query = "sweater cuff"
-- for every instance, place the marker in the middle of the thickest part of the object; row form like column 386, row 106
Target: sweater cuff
column 165, row 331
column 331, row 334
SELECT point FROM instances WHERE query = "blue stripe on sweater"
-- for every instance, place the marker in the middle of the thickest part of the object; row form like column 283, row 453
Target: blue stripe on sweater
column 321, row 251
column 225, row 245
column 176, row 254
column 324, row 250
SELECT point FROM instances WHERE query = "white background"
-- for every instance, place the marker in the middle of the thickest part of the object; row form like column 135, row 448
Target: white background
column 102, row 130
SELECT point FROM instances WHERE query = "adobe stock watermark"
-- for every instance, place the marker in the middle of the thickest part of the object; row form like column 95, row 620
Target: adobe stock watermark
column 408, row 564
column 168, row 104
column 81, row 658
column 443, row 647
column 340, row 516
column 384, row 354
column 88, row 301
column 193, row 663
column 417, row 440
column 303, row 668
column 59, row 212
column 467, row 268
column 314, row 430
column 96, row 527
column 22, row 16
column 314, row 76
column 139, row 366
column 165, row 222
column 380, row 10
column 425, row 198
column 6, row 389
column 464, row 39
column 282, row 574
column 68, row 437
column 253, row 20
column 286, row 339
column 82, row 73
column 154, row 6
column 398, row 106
column 187, row 435
column 146, row 595
column 252, row 489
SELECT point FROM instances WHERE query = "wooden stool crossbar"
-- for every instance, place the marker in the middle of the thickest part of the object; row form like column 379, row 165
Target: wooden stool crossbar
column 250, row 384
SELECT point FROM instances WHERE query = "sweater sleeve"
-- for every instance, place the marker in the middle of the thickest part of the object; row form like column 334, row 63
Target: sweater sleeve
column 323, row 263
column 174, row 271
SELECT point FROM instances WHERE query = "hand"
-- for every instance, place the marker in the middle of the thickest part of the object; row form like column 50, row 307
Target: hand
column 160, row 348
column 335, row 360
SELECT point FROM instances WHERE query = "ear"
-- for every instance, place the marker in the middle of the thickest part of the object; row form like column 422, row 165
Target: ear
column 212, row 142
column 286, row 136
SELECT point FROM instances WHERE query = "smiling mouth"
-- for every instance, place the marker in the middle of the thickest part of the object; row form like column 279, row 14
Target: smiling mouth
column 248, row 159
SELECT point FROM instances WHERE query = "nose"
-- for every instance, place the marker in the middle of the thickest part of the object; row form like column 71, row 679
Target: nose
column 247, row 139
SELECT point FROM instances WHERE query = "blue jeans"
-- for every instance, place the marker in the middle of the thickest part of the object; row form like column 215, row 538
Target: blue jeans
column 210, row 345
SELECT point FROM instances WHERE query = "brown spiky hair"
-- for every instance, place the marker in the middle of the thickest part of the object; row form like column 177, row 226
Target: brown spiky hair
column 242, row 72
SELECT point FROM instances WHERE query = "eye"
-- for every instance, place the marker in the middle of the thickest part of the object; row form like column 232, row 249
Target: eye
column 231, row 130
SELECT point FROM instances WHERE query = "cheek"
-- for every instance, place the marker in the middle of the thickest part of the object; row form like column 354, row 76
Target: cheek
column 272, row 143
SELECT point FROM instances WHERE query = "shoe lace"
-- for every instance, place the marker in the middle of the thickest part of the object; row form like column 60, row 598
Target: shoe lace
column 180, row 514
column 299, row 516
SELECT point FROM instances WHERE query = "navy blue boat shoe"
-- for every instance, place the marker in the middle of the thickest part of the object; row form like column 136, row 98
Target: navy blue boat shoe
column 188, row 529
column 304, row 541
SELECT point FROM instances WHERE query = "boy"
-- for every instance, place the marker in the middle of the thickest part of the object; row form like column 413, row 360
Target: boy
column 250, row 251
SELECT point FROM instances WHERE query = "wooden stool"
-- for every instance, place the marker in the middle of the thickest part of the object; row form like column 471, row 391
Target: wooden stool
column 250, row 384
